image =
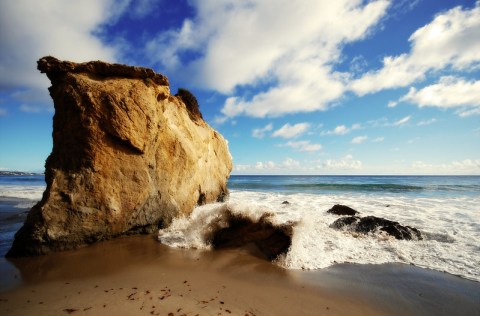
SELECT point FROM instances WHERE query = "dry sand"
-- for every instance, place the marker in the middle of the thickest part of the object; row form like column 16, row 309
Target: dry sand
column 139, row 276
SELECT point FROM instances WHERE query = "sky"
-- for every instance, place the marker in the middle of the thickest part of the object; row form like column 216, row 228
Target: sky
column 296, row 87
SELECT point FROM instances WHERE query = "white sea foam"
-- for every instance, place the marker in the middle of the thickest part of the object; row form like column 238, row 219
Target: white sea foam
column 29, row 192
column 450, row 227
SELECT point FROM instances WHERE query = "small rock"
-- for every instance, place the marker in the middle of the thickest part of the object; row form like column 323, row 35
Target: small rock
column 338, row 209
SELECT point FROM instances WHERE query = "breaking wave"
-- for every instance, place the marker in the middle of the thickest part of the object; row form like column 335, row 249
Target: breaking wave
column 450, row 232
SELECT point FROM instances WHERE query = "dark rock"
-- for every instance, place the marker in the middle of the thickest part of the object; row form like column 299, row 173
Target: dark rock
column 285, row 203
column 373, row 224
column 270, row 239
column 344, row 221
column 338, row 209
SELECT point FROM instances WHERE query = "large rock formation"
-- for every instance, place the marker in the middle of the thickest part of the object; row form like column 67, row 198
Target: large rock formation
column 127, row 157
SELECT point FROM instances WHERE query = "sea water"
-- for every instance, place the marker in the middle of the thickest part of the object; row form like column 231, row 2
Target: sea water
column 445, row 209
column 18, row 193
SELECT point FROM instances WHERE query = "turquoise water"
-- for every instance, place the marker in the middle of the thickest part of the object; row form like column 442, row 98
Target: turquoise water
column 441, row 186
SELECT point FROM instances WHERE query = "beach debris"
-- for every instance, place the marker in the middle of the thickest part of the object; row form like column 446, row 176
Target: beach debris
column 70, row 310
column 339, row 209
column 130, row 297
column 373, row 224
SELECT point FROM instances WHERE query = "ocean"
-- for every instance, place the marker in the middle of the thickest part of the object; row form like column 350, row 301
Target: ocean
column 18, row 193
column 446, row 210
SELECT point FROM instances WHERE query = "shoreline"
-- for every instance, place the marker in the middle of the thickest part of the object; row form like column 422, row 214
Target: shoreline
column 138, row 275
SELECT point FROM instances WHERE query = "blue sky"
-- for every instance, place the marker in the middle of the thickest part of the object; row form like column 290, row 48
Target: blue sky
column 296, row 87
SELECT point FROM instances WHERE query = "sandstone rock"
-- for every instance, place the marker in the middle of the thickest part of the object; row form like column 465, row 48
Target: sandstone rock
column 127, row 157
column 338, row 209
column 372, row 224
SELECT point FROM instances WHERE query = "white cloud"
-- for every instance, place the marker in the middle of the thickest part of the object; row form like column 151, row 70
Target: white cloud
column 67, row 30
column 467, row 166
column 413, row 140
column 33, row 29
column 264, row 165
column 291, row 46
column 449, row 92
column 291, row 131
column 465, row 113
column 303, row 145
column 359, row 139
column 427, row 122
column 378, row 139
column 241, row 167
column 358, row 64
column 342, row 130
column 402, row 121
column 392, row 104
column 451, row 40
column 346, row 163
column 260, row 132
column 289, row 165
column 220, row 119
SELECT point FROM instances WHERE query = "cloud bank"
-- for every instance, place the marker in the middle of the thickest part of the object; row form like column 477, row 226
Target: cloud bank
column 450, row 41
column 289, row 47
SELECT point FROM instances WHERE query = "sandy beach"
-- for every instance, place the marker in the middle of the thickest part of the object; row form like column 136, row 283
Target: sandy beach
column 139, row 276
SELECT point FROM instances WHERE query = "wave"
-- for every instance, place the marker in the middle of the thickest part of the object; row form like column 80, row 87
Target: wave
column 449, row 243
column 33, row 193
column 328, row 187
column 19, row 173
column 349, row 187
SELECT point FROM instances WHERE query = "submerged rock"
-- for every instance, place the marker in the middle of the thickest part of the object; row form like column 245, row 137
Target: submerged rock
column 272, row 240
column 338, row 209
column 127, row 157
column 373, row 224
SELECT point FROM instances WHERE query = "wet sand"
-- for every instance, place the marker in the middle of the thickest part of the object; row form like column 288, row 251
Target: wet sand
column 139, row 276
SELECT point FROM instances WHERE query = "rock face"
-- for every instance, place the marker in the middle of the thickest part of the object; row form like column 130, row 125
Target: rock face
column 127, row 157
column 373, row 224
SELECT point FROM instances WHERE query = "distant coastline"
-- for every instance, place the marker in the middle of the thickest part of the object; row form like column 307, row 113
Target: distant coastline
column 20, row 173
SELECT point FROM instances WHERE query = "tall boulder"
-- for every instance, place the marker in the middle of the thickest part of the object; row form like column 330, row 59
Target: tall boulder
column 128, row 157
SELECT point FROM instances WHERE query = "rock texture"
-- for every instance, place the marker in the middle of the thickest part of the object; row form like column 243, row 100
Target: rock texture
column 127, row 157
column 373, row 224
